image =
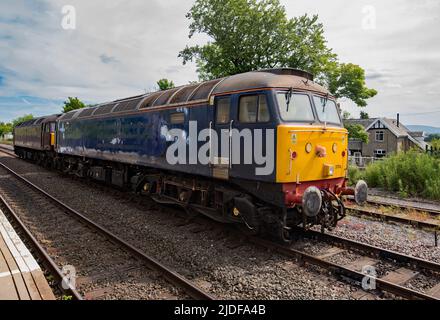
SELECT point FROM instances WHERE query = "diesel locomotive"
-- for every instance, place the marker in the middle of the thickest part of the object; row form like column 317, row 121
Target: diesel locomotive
column 264, row 149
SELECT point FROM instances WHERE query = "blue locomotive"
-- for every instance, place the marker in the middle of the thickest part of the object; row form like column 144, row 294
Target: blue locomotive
column 265, row 149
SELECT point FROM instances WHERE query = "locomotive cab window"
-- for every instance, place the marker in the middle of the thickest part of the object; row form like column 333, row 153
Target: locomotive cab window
column 223, row 110
column 295, row 107
column 254, row 109
column 327, row 110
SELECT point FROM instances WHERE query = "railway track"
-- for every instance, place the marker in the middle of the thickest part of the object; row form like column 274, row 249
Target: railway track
column 424, row 219
column 408, row 208
column 48, row 263
column 110, row 249
column 411, row 267
column 392, row 283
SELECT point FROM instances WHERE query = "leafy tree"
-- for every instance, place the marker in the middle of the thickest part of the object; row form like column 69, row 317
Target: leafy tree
column 5, row 128
column 73, row 104
column 346, row 115
column 364, row 115
column 433, row 136
column 357, row 131
column 250, row 34
column 21, row 119
column 165, row 84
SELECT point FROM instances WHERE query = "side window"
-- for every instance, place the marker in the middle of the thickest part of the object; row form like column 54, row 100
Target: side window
column 223, row 110
column 253, row 109
column 177, row 118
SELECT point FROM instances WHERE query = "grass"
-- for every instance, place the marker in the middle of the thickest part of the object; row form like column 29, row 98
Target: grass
column 6, row 142
column 410, row 174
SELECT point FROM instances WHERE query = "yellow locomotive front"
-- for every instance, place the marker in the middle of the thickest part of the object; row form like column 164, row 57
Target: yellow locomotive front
column 312, row 158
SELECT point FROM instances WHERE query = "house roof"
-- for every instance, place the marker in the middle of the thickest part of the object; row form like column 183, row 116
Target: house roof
column 399, row 131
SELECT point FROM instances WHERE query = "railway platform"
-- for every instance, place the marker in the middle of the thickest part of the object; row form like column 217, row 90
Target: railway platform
column 21, row 278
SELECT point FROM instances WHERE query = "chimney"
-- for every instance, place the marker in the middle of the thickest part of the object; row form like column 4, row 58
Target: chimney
column 398, row 120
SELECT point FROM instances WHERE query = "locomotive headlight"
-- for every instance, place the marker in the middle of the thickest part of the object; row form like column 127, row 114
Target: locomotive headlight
column 335, row 147
column 309, row 147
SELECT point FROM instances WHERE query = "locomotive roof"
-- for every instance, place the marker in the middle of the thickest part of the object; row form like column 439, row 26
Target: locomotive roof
column 38, row 121
column 202, row 92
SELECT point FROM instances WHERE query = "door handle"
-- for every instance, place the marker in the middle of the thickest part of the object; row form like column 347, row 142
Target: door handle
column 230, row 143
column 210, row 144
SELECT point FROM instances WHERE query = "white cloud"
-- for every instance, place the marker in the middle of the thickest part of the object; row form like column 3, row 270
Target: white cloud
column 121, row 48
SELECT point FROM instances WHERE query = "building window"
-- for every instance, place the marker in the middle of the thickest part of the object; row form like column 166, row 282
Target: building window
column 380, row 153
column 380, row 136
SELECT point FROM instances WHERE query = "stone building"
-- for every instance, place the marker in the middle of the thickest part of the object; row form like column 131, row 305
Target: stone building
column 386, row 136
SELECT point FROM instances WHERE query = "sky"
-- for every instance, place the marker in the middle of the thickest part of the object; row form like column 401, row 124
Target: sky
column 121, row 48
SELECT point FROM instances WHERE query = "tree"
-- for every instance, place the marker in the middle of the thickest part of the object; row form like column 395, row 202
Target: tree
column 433, row 136
column 5, row 128
column 250, row 34
column 364, row 115
column 21, row 119
column 346, row 115
column 73, row 104
column 165, row 84
column 357, row 131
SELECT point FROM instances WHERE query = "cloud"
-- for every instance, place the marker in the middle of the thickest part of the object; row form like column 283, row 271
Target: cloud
column 140, row 40
column 107, row 59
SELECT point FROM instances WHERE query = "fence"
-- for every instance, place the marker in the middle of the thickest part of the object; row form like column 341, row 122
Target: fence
column 433, row 151
column 362, row 162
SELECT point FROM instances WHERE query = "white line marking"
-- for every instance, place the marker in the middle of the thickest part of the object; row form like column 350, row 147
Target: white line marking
column 7, row 274
column 21, row 254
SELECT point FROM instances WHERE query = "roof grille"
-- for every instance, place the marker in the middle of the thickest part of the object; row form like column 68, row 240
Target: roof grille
column 148, row 102
column 203, row 92
column 127, row 105
column 165, row 97
column 105, row 109
column 86, row 112
column 68, row 116
column 183, row 94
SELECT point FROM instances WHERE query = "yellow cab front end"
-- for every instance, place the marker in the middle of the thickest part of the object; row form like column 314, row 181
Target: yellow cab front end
column 312, row 156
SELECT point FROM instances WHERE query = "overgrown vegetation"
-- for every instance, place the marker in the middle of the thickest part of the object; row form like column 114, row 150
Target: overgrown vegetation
column 410, row 174
column 436, row 143
column 354, row 175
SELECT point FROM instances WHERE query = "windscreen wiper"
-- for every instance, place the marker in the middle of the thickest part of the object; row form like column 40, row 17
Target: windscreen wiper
column 289, row 96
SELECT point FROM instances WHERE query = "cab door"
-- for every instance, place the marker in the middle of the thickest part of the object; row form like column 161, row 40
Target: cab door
column 48, row 135
column 251, row 121
column 220, row 143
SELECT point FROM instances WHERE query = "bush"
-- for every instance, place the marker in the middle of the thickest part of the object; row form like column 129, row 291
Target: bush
column 354, row 175
column 411, row 174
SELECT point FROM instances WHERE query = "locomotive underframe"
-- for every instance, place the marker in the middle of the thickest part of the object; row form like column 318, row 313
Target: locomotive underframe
column 258, row 207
